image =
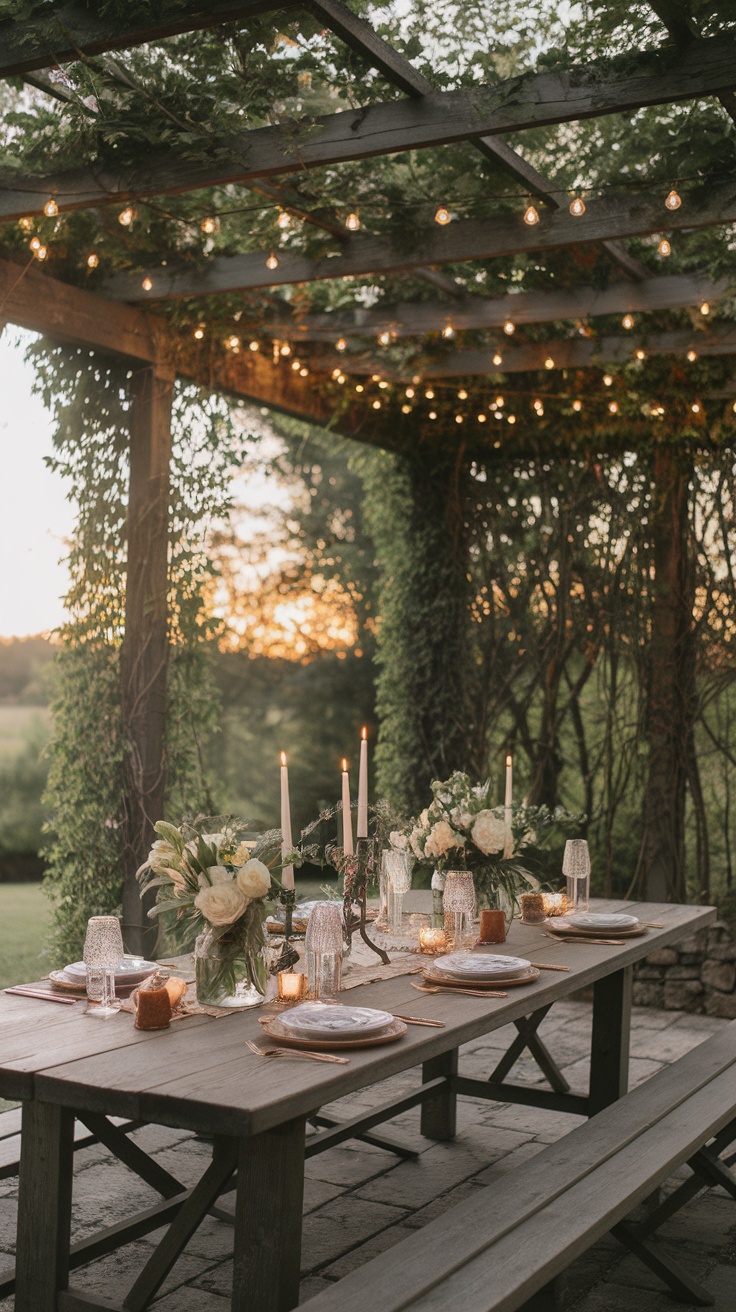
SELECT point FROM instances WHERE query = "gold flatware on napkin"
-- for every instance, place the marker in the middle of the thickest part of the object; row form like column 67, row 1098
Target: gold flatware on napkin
column 40, row 993
column 586, row 938
column 421, row 1020
column 468, row 993
column 295, row 1052
column 538, row 965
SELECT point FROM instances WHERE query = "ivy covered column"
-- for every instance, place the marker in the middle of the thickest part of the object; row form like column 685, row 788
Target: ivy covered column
column 145, row 649
column 415, row 509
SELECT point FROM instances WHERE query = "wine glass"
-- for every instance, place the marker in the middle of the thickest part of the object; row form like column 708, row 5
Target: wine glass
column 576, row 869
column 324, row 945
column 459, row 904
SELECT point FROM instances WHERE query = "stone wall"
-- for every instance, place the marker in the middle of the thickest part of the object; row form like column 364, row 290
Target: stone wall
column 698, row 975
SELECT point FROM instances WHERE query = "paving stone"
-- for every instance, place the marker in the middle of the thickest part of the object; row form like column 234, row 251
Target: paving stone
column 373, row 1247
column 212, row 1240
column 544, row 1125
column 443, row 1203
column 119, row 1270
column 312, row 1286
column 190, row 1299
column 646, row 1019
column 509, row 1163
column 412, row 1184
column 337, row 1228
column 667, row 1045
column 348, row 1166
column 154, row 1138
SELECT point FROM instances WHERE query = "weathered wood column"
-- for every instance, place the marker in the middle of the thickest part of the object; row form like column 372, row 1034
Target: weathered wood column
column 670, row 682
column 145, row 651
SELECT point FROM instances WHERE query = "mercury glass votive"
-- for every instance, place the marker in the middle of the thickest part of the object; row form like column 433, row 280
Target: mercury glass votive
column 433, row 941
column 324, row 947
column 555, row 904
column 459, row 904
column 292, row 986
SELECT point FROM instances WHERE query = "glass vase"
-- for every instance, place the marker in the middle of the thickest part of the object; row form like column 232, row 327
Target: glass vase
column 459, row 906
column 397, row 866
column 227, row 974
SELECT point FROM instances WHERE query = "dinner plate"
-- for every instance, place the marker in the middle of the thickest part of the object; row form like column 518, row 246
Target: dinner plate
column 528, row 976
column 330, row 1020
column 480, row 965
column 596, row 921
column 274, row 1027
column 132, row 970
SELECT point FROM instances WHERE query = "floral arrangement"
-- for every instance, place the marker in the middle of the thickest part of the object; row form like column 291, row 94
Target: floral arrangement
column 212, row 878
column 462, row 830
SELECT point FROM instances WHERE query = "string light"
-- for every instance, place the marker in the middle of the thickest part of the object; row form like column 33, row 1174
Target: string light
column 127, row 216
column 499, row 402
column 210, row 224
column 272, row 262
column 448, row 331
column 577, row 406
column 359, row 387
column 482, row 418
column 41, row 253
column 385, row 339
column 433, row 414
column 146, row 284
column 335, row 373
column 607, row 380
column 640, row 354
column 549, row 363
column 352, row 223
column 509, row 328
column 51, row 209
column 199, row 332
column 664, row 247
column 383, row 385
column 35, row 243
column 733, row 407
column 511, row 419
column 442, row 216
column 429, row 394
column 673, row 201
column 283, row 221
column 341, row 378
column 254, row 345
column 458, row 419
column 577, row 207
column 409, row 392
column 627, row 321
column 695, row 408
column 406, row 409
column 376, row 405
column 340, row 344
column 613, row 407
column 705, row 308
column 303, row 372
column 284, row 349
column 93, row 260
column 25, row 225
column 692, row 355
column 462, row 395
column 233, row 342
column 498, row 358
column 296, row 366
column 531, row 216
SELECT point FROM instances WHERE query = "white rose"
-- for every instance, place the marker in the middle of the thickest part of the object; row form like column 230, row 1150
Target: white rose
column 221, row 904
column 424, row 818
column 461, row 818
column 398, row 841
column 442, row 838
column 218, row 874
column 253, row 879
column 488, row 833
column 162, row 855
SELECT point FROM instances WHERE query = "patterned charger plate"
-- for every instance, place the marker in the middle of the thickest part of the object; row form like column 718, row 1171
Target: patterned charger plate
column 579, row 931
column 483, row 985
column 273, row 1027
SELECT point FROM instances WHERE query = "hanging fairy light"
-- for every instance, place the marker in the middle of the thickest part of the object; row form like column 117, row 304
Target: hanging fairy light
column 695, row 408
column 509, row 328
column 733, row 407
column 664, row 247
column 409, row 392
column 433, row 414
column 607, row 380
column 448, row 332
column 359, row 387
column 692, row 355
column 577, row 207
column 35, row 243
column 284, row 349
column 283, row 221
column 199, row 332
column 210, row 224
column 51, row 209
column 613, row 407
column 462, row 395
column 498, row 358
column 705, row 308
column 232, row 342
column 627, row 321
column 429, row 394
column 254, row 345
column 93, row 260
column 549, row 363
column 577, row 406
column 272, row 262
column 499, row 402
column 352, row 223
column 376, row 405
column 383, row 384
column 531, row 216
column 640, row 354
column 342, row 378
column 340, row 344
column 147, row 284
column 297, row 364
column 385, row 339
column 406, row 409
column 673, row 201
column 25, row 225
column 304, row 372
column 127, row 216
column 482, row 418
column 41, row 253
column 458, row 419
column 442, row 216
column 511, row 419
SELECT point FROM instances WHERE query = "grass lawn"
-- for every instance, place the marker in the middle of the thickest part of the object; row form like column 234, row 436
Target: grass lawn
column 24, row 921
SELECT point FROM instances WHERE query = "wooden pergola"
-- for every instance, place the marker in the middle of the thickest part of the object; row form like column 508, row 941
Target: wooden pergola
column 342, row 347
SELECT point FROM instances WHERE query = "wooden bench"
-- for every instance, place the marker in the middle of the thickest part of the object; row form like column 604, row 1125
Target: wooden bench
column 500, row 1249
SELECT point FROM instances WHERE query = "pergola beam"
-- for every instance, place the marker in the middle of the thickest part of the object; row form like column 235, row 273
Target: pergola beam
column 532, row 100
column 679, row 23
column 471, row 239
column 415, row 318
column 60, row 33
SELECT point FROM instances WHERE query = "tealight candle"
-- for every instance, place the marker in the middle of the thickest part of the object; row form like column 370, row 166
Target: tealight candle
column 292, row 986
column 555, row 904
column 432, row 941
column 532, row 908
column 492, row 926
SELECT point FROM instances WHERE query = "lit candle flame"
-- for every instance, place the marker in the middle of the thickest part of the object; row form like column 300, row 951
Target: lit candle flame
column 344, row 767
column 508, row 760
column 283, row 758
column 364, row 732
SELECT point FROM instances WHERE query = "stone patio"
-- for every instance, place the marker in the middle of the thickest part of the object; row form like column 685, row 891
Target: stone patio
column 360, row 1200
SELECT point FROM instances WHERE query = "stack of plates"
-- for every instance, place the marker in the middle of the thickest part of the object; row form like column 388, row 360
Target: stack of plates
column 128, row 975
column 481, row 969
column 330, row 1024
column 596, row 924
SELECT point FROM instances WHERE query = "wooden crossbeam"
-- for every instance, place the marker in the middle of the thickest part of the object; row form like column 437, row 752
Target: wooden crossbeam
column 534, row 99
column 58, row 33
column 471, row 239
column 419, row 317
column 679, row 23
column 572, row 353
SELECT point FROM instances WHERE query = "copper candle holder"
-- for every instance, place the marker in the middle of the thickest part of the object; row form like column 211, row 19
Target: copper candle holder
column 432, row 941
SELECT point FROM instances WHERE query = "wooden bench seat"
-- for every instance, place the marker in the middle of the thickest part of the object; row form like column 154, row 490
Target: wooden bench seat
column 497, row 1249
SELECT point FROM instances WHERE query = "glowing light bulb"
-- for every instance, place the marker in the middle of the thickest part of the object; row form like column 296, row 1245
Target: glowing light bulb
column 442, row 216
column 627, row 321
column 384, row 339
column 673, row 201
column 664, row 247
column 511, row 419
column 383, row 385
column 146, row 284
column 448, row 331
column 499, row 402
column 283, row 220
column 376, row 405
column 509, row 328
column 127, row 216
column 705, row 308
column 199, row 332
column 210, row 224
column 233, row 342
column 549, row 363
column 284, row 349
column 341, row 378
column 577, row 207
column 531, row 216
column 93, row 260
column 692, row 356
column 613, row 407
column 607, row 380
column 695, row 408
column 409, row 392
column 359, row 387
column 254, row 346
column 296, row 366
column 733, row 407
column 482, row 418
column 25, row 225
column 577, row 406
column 303, row 372
column 429, row 394
column 352, row 223
column 498, row 358
column 340, row 344
column 51, row 209
column 272, row 262
column 41, row 253
column 406, row 409
column 462, row 395
column 458, row 419
column 433, row 414
column 640, row 355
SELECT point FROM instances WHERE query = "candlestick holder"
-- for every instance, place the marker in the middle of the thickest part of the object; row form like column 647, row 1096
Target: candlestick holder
column 289, row 955
column 357, row 870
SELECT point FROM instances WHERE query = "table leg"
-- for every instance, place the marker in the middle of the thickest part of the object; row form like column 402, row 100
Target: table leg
column 44, row 1206
column 268, row 1219
column 609, row 1053
column 439, row 1111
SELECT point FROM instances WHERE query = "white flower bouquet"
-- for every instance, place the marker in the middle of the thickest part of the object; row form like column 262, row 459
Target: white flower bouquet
column 212, row 879
column 462, row 830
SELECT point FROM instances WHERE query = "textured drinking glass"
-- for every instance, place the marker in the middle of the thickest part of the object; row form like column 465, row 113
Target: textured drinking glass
column 576, row 869
column 397, row 866
column 324, row 947
column 103, row 951
column 459, row 903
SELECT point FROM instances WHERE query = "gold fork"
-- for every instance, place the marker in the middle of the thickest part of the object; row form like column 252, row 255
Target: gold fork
column 295, row 1052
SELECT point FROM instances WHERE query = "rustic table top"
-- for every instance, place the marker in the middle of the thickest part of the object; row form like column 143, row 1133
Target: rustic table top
column 199, row 1075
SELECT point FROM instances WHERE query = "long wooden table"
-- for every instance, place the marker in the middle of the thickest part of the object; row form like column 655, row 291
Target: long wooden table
column 200, row 1076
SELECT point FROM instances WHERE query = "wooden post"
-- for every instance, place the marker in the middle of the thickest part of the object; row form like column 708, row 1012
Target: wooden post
column 144, row 657
column 670, row 684
column 609, row 1046
column 268, row 1219
column 44, row 1206
column 439, row 1111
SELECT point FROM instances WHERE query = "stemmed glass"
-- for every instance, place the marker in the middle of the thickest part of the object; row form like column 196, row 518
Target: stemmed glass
column 459, row 903
column 397, row 868
column 324, row 945
column 576, row 869
column 103, row 952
